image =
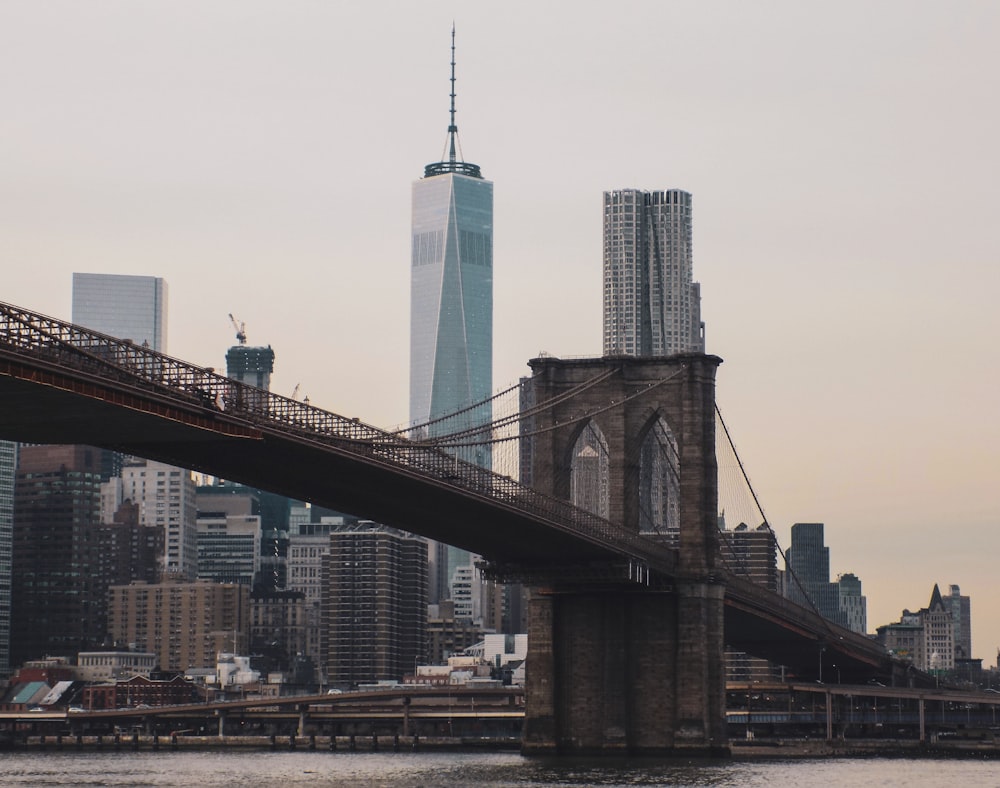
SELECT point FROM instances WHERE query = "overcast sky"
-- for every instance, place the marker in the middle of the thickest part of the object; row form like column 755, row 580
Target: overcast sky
column 843, row 159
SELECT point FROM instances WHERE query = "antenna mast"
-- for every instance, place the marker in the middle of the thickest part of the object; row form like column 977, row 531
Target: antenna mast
column 452, row 128
column 453, row 163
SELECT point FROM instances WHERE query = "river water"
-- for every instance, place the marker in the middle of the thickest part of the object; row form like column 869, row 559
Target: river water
column 214, row 769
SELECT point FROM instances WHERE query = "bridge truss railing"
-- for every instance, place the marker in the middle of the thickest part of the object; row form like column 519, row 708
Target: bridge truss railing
column 827, row 633
column 138, row 366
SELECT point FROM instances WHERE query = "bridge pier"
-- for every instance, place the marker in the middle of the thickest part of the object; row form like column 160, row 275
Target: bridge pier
column 626, row 671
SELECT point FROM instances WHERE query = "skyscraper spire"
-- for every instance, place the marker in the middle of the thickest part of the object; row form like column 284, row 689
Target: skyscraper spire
column 453, row 164
column 452, row 128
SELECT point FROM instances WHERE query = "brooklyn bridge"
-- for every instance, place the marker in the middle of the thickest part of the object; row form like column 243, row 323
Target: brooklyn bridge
column 627, row 628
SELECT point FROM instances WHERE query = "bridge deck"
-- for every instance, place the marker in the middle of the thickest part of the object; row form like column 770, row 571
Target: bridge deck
column 194, row 437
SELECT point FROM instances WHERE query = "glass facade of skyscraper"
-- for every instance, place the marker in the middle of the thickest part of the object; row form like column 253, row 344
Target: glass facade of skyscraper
column 123, row 306
column 808, row 562
column 451, row 300
column 451, row 320
column 127, row 307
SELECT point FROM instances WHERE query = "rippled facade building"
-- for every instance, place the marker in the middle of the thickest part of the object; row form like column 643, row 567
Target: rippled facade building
column 652, row 306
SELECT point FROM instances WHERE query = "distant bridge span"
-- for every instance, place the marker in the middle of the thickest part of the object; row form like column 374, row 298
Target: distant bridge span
column 60, row 383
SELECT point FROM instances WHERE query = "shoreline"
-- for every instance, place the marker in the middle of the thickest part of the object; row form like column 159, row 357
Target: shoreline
column 287, row 743
column 789, row 749
column 782, row 749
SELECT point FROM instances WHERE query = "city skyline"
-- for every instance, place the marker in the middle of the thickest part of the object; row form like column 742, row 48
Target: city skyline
column 841, row 159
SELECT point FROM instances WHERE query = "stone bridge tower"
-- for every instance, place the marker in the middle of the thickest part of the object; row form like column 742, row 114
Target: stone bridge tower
column 616, row 666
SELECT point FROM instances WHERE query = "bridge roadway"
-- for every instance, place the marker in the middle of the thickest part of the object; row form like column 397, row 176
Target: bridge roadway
column 394, row 708
column 409, row 710
column 60, row 383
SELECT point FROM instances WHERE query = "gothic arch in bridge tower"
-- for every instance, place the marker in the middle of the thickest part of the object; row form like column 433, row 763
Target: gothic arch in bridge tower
column 588, row 470
column 659, row 486
column 645, row 412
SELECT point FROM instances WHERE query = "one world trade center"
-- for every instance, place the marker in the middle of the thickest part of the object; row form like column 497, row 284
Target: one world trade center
column 451, row 299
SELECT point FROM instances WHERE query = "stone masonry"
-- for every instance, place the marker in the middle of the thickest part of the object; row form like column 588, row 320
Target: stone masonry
column 617, row 667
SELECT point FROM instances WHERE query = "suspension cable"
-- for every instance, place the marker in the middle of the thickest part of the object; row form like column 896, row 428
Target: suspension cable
column 450, row 439
column 760, row 509
column 448, row 416
column 544, row 406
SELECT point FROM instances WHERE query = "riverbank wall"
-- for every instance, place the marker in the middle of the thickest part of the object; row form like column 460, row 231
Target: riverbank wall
column 768, row 749
column 863, row 748
column 174, row 742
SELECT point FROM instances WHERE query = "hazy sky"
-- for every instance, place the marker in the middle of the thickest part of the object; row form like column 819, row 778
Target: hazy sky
column 844, row 160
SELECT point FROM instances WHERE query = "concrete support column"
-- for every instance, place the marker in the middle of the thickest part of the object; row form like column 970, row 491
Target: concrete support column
column 539, row 736
column 592, row 687
column 700, row 722
column 829, row 716
column 652, row 666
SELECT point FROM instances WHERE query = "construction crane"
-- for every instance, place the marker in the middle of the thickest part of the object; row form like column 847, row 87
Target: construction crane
column 241, row 333
column 295, row 391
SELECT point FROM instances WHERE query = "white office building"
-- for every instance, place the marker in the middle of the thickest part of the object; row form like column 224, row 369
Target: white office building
column 305, row 561
column 165, row 496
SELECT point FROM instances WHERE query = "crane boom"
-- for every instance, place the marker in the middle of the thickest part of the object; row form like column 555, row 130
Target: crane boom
column 240, row 326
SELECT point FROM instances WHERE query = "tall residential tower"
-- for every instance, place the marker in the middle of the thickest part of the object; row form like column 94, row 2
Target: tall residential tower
column 57, row 504
column 165, row 496
column 451, row 300
column 374, row 586
column 651, row 305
